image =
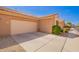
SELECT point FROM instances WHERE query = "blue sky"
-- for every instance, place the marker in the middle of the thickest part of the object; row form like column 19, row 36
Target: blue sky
column 67, row 13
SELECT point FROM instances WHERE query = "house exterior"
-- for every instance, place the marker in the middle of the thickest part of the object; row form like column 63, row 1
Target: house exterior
column 61, row 23
column 13, row 22
column 46, row 23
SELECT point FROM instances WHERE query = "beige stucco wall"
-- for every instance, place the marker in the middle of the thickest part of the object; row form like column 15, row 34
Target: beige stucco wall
column 45, row 25
column 19, row 26
column 61, row 23
column 4, row 25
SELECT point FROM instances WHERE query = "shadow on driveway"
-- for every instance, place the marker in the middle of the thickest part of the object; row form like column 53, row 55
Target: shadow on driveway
column 9, row 40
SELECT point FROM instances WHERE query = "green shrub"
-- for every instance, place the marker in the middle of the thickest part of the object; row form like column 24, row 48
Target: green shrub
column 66, row 29
column 69, row 24
column 56, row 30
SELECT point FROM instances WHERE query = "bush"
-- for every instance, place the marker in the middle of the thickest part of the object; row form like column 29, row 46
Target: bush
column 69, row 24
column 66, row 29
column 56, row 30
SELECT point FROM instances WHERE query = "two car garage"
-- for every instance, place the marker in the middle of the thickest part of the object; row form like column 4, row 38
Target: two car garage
column 11, row 25
column 18, row 27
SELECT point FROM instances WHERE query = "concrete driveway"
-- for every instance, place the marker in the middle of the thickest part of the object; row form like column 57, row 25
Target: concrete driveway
column 42, row 42
column 7, row 44
column 72, row 43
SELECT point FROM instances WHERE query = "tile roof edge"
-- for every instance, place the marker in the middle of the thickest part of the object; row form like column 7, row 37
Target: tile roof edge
column 17, row 12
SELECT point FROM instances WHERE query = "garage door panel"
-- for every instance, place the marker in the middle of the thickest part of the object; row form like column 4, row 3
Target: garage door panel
column 18, row 27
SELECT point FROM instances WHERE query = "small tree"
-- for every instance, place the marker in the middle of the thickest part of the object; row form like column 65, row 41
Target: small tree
column 56, row 29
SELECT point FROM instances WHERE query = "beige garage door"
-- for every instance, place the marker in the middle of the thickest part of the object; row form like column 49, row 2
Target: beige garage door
column 18, row 27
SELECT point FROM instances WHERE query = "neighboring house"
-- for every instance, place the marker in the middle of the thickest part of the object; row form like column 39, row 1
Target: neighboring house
column 13, row 22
